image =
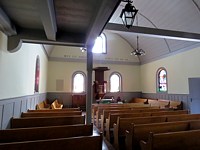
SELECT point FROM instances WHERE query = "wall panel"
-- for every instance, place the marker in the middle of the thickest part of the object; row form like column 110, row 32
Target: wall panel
column 15, row 106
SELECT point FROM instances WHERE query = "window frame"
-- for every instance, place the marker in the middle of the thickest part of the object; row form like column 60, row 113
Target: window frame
column 158, row 80
column 120, row 81
column 84, row 82
column 104, row 44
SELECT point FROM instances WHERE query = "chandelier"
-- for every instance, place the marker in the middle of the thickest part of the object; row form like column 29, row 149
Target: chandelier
column 138, row 51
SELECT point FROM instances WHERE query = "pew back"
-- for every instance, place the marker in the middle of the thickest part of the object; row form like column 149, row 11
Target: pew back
column 46, row 121
column 42, row 133
column 94, row 142
column 141, row 131
column 124, row 124
column 112, row 118
column 49, row 113
column 54, row 110
column 183, row 117
column 138, row 100
column 177, row 112
column 184, row 140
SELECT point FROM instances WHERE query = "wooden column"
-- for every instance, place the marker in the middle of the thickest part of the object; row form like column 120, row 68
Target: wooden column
column 89, row 85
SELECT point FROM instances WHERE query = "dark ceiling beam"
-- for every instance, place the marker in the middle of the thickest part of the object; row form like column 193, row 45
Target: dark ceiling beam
column 47, row 14
column 5, row 24
column 100, row 19
column 152, row 32
column 39, row 37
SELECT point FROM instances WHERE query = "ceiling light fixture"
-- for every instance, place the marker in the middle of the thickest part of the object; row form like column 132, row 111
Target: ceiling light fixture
column 83, row 49
column 128, row 14
column 138, row 51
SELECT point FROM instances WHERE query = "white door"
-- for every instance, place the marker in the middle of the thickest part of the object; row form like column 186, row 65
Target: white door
column 194, row 95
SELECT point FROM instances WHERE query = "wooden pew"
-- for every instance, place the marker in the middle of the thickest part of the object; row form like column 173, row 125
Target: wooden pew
column 112, row 118
column 138, row 100
column 124, row 124
column 141, row 131
column 96, row 106
column 101, row 109
column 153, row 102
column 54, row 110
column 182, row 140
column 183, row 117
column 172, row 112
column 126, row 106
column 42, row 133
column 176, row 105
column 163, row 103
column 106, row 114
column 93, row 142
column 48, row 114
column 46, row 121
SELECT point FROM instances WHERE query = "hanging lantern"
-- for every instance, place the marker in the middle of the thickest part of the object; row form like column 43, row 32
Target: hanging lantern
column 128, row 14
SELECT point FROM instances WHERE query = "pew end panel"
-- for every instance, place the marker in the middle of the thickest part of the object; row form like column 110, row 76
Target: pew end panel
column 128, row 139
column 146, row 145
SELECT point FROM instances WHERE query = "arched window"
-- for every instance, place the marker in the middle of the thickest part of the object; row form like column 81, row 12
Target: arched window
column 100, row 44
column 37, row 74
column 162, row 80
column 115, row 82
column 78, row 82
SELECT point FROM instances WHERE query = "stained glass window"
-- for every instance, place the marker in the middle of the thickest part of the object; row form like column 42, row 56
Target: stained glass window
column 162, row 80
column 37, row 74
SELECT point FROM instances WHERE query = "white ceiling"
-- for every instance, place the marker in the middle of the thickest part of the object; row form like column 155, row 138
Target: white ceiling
column 79, row 22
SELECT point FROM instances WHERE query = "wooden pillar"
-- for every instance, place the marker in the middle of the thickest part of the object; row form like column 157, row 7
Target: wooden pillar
column 89, row 85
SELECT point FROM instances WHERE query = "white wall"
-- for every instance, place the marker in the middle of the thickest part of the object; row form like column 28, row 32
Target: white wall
column 17, row 70
column 118, row 51
column 179, row 68
column 64, row 71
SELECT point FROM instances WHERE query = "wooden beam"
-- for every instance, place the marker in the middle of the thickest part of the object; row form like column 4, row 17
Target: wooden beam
column 5, row 24
column 39, row 37
column 106, row 9
column 47, row 14
column 153, row 32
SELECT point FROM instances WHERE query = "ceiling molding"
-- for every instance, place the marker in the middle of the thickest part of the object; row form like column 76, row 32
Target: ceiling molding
column 5, row 24
column 102, row 17
column 157, row 33
column 39, row 37
column 47, row 14
column 59, row 59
